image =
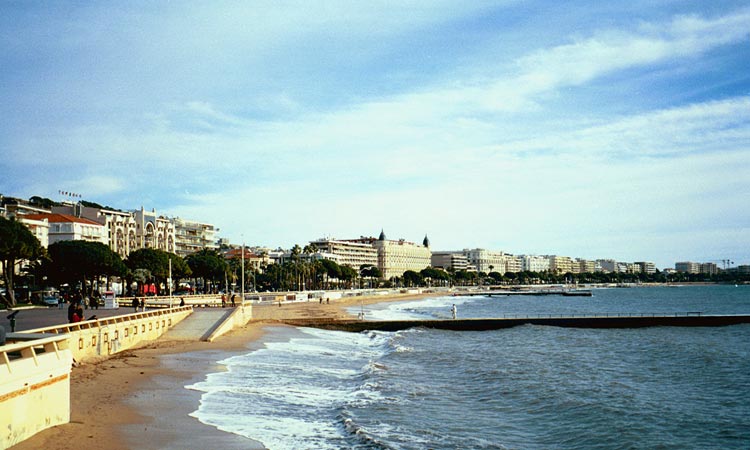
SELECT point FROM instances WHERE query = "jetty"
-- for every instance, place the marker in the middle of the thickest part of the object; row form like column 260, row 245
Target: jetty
column 688, row 319
column 530, row 292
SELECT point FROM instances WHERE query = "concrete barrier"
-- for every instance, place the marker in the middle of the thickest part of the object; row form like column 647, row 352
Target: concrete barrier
column 97, row 339
column 239, row 317
column 34, row 386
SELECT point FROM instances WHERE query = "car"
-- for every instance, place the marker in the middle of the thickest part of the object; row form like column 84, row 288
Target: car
column 50, row 300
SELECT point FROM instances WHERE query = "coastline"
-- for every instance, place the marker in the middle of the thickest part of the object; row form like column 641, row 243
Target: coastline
column 138, row 399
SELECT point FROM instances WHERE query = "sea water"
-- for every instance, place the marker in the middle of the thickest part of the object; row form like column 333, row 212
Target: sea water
column 529, row 387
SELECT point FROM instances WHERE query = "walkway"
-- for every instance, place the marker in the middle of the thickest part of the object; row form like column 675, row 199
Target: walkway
column 199, row 325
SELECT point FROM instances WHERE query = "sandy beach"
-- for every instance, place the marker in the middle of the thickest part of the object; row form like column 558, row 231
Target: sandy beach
column 138, row 399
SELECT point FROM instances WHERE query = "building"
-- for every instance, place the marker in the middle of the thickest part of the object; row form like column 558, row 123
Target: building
column 485, row 260
column 254, row 260
column 607, row 265
column 687, row 267
column 396, row 257
column 450, row 261
column 534, row 263
column 121, row 226
column 709, row 268
column 347, row 253
column 560, row 264
column 63, row 227
column 513, row 263
column 154, row 231
column 39, row 228
column 647, row 267
column 191, row 236
column 585, row 265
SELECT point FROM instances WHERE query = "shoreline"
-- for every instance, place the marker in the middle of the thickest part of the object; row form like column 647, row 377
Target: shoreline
column 137, row 399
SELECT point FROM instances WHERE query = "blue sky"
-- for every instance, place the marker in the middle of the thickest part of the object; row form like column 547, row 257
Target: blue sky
column 579, row 128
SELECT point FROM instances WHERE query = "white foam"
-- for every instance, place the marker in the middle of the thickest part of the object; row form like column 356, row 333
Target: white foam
column 286, row 394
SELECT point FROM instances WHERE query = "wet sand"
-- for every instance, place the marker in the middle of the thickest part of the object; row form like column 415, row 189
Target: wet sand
column 138, row 399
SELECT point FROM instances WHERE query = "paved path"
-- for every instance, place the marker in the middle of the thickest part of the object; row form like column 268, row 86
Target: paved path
column 31, row 318
column 198, row 325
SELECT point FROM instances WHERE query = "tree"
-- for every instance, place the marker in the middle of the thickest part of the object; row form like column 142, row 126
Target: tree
column 412, row 278
column 80, row 261
column 208, row 265
column 156, row 262
column 370, row 271
column 17, row 244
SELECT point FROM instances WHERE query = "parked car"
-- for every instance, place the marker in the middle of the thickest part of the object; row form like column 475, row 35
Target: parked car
column 50, row 300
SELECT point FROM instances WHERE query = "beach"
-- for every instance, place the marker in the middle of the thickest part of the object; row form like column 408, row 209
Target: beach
column 138, row 398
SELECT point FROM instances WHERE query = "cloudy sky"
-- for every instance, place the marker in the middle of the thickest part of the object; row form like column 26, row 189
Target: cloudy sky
column 583, row 128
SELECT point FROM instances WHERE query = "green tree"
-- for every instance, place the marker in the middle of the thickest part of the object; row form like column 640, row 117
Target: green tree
column 157, row 263
column 207, row 264
column 80, row 261
column 412, row 278
column 371, row 272
column 17, row 244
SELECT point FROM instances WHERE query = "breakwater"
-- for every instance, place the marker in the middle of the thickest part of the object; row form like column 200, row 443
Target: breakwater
column 599, row 321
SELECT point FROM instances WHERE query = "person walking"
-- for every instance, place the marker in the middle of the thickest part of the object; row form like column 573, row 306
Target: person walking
column 454, row 310
column 135, row 304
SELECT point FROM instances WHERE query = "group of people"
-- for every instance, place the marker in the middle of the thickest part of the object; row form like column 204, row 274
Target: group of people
column 224, row 300
column 136, row 304
column 75, row 311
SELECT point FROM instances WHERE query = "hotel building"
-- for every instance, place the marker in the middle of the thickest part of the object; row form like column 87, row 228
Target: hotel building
column 348, row 252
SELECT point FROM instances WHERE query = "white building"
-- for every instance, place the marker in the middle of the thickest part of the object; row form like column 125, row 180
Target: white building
column 534, row 263
column 396, row 257
column 154, row 231
column 63, row 227
column 348, row 253
column 191, row 236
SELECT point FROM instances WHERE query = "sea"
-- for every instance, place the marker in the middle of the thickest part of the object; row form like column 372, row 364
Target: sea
column 528, row 387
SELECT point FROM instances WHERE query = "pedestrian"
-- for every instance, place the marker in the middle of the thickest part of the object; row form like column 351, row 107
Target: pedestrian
column 182, row 301
column 454, row 310
column 60, row 302
column 143, row 304
column 135, row 304
column 233, row 297
column 223, row 300
column 71, row 311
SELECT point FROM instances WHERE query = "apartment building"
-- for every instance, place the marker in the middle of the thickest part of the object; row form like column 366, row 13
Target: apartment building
column 348, row 252
column 534, row 263
column 561, row 264
column 647, row 267
column 191, row 236
column 121, row 226
column 687, row 267
column 585, row 265
column 38, row 227
column 63, row 227
column 485, row 260
column 452, row 261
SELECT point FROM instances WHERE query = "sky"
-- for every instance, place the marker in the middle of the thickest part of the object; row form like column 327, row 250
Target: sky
column 583, row 128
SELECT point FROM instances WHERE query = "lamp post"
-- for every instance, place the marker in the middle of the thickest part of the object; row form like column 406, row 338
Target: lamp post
column 242, row 289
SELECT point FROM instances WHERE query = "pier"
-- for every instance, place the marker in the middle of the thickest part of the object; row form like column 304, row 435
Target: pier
column 532, row 292
column 688, row 319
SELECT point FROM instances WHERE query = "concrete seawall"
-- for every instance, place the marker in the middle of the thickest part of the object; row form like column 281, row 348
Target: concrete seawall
column 685, row 320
